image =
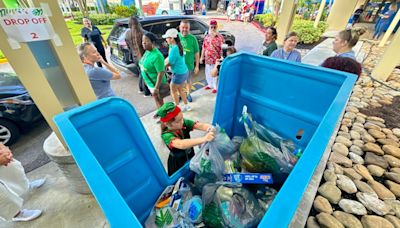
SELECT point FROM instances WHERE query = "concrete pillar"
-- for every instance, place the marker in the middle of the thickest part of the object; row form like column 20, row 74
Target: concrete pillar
column 340, row 14
column 286, row 19
column 68, row 55
column 390, row 29
column 50, row 87
column 320, row 11
column 389, row 60
column 360, row 2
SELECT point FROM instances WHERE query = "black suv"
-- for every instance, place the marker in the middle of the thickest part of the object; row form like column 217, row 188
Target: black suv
column 157, row 25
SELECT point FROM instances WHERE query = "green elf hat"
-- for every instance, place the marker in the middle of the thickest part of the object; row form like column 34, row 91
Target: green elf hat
column 168, row 111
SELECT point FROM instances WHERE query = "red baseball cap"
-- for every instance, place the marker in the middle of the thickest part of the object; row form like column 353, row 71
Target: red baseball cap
column 213, row 22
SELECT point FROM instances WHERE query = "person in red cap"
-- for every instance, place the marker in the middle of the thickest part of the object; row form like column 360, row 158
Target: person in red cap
column 176, row 135
column 211, row 52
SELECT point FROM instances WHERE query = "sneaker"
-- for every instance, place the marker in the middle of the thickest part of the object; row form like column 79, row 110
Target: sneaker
column 189, row 98
column 25, row 215
column 147, row 95
column 207, row 88
column 35, row 184
column 214, row 91
column 139, row 91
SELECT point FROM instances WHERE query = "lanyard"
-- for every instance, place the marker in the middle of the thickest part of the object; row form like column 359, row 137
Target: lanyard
column 283, row 55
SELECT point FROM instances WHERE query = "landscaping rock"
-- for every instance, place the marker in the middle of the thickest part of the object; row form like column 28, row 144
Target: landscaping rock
column 372, row 203
column 363, row 171
column 357, row 150
column 366, row 137
column 347, row 219
column 350, row 172
column 368, row 125
column 358, row 143
column 373, row 221
column 329, row 175
column 330, row 192
column 364, row 187
column 389, row 142
column 382, row 192
column 346, row 184
column 393, row 187
column 393, row 219
column 355, row 135
column 341, row 160
column 391, row 150
column 312, row 222
column 340, row 148
column 394, row 205
column 373, row 159
column 396, row 132
column 335, row 167
column 355, row 158
column 327, row 220
column 393, row 176
column 352, row 207
column 395, row 170
column 376, row 119
column 375, row 170
column 343, row 140
column 374, row 148
column 321, row 204
column 377, row 134
column 393, row 162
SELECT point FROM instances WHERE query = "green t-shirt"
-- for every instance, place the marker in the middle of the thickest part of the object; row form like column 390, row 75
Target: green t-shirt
column 269, row 48
column 191, row 47
column 151, row 64
column 168, row 135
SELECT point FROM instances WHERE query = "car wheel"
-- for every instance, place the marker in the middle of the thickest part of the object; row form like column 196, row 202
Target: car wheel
column 164, row 12
column 9, row 132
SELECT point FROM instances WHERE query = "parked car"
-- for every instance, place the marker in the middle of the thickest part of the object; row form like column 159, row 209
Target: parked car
column 157, row 25
column 17, row 109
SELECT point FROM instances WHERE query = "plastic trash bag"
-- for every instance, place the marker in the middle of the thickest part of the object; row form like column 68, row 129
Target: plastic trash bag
column 230, row 205
column 193, row 209
column 208, row 160
column 261, row 156
column 223, row 143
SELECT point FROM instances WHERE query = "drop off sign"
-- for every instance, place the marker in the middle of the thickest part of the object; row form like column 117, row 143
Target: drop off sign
column 26, row 24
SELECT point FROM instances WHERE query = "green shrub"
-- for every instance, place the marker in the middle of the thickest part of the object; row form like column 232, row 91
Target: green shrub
column 306, row 31
column 2, row 56
column 265, row 19
column 97, row 19
column 124, row 11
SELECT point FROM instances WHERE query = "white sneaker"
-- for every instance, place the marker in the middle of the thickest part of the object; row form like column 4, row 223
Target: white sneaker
column 183, row 108
column 35, row 184
column 27, row 215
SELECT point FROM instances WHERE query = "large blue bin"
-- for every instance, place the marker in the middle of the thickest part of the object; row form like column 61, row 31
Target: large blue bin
column 125, row 174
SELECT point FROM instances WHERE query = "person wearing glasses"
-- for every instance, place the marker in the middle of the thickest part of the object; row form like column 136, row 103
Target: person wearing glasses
column 344, row 42
column 210, row 53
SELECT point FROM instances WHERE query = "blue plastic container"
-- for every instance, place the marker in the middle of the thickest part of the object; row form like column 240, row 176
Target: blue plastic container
column 122, row 168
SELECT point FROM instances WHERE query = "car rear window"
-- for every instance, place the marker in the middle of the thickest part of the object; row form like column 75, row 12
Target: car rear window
column 118, row 30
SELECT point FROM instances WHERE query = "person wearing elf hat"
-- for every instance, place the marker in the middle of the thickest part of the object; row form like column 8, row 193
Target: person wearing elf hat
column 176, row 135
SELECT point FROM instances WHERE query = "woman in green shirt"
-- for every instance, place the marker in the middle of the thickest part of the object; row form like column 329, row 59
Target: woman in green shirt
column 152, row 67
column 269, row 44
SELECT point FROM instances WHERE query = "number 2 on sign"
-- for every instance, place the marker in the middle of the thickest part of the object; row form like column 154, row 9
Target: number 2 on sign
column 34, row 35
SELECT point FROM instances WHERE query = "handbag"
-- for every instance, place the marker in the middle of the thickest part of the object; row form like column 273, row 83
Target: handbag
column 164, row 89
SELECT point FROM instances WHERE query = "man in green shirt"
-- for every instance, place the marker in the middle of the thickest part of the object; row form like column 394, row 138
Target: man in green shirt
column 191, row 50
